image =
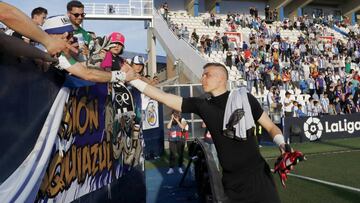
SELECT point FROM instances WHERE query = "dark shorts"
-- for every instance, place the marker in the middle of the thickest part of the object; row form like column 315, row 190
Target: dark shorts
column 257, row 186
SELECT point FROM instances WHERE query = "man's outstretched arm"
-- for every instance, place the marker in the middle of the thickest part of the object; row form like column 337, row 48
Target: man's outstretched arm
column 18, row 21
column 170, row 100
column 80, row 70
column 85, row 73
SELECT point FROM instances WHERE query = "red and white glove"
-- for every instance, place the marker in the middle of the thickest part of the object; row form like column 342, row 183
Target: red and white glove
column 285, row 162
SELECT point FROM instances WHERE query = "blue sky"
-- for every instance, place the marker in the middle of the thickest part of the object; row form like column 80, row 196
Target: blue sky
column 134, row 32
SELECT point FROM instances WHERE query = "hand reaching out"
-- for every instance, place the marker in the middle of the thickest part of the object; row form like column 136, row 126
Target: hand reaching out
column 126, row 67
column 130, row 73
column 55, row 45
column 85, row 50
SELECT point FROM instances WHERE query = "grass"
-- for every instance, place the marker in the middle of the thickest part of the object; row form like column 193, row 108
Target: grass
column 299, row 191
column 335, row 161
column 163, row 161
column 310, row 148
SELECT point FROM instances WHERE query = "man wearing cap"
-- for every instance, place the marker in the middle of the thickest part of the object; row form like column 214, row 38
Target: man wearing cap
column 18, row 21
column 61, row 27
column 76, row 14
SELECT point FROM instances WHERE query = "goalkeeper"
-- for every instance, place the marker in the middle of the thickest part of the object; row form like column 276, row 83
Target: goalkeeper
column 230, row 118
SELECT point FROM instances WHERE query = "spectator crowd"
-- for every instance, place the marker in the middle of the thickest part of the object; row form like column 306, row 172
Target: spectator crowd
column 317, row 63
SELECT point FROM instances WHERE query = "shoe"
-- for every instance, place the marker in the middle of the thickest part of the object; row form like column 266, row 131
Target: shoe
column 170, row 171
column 181, row 171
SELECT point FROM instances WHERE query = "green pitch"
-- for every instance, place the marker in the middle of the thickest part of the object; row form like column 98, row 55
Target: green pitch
column 336, row 161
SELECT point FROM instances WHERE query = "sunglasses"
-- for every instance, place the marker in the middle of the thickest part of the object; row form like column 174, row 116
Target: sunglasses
column 78, row 14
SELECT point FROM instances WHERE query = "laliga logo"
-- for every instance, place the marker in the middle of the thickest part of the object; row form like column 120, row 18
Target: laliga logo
column 313, row 128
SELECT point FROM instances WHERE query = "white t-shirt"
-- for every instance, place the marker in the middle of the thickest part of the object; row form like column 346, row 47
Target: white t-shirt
column 287, row 108
column 269, row 98
column 310, row 109
column 311, row 83
column 275, row 45
column 306, row 69
column 325, row 104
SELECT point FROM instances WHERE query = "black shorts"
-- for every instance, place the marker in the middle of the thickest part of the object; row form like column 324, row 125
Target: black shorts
column 258, row 186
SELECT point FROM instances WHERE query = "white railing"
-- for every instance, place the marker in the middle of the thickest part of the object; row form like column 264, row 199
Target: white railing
column 179, row 49
column 134, row 8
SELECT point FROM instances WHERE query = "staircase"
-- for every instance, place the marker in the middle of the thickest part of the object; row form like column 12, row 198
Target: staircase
column 192, row 61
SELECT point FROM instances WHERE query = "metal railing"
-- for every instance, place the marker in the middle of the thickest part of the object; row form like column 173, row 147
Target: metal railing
column 178, row 48
column 134, row 8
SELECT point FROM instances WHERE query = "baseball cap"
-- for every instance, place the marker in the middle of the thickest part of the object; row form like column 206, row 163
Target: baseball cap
column 138, row 60
column 117, row 37
column 58, row 25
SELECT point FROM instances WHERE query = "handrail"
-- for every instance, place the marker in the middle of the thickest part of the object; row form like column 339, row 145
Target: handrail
column 132, row 8
column 178, row 48
column 157, row 12
column 190, row 45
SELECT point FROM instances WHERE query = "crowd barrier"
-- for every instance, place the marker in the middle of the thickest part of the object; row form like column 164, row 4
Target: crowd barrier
column 57, row 143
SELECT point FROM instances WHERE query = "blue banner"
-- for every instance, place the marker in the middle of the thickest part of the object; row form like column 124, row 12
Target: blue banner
column 96, row 145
